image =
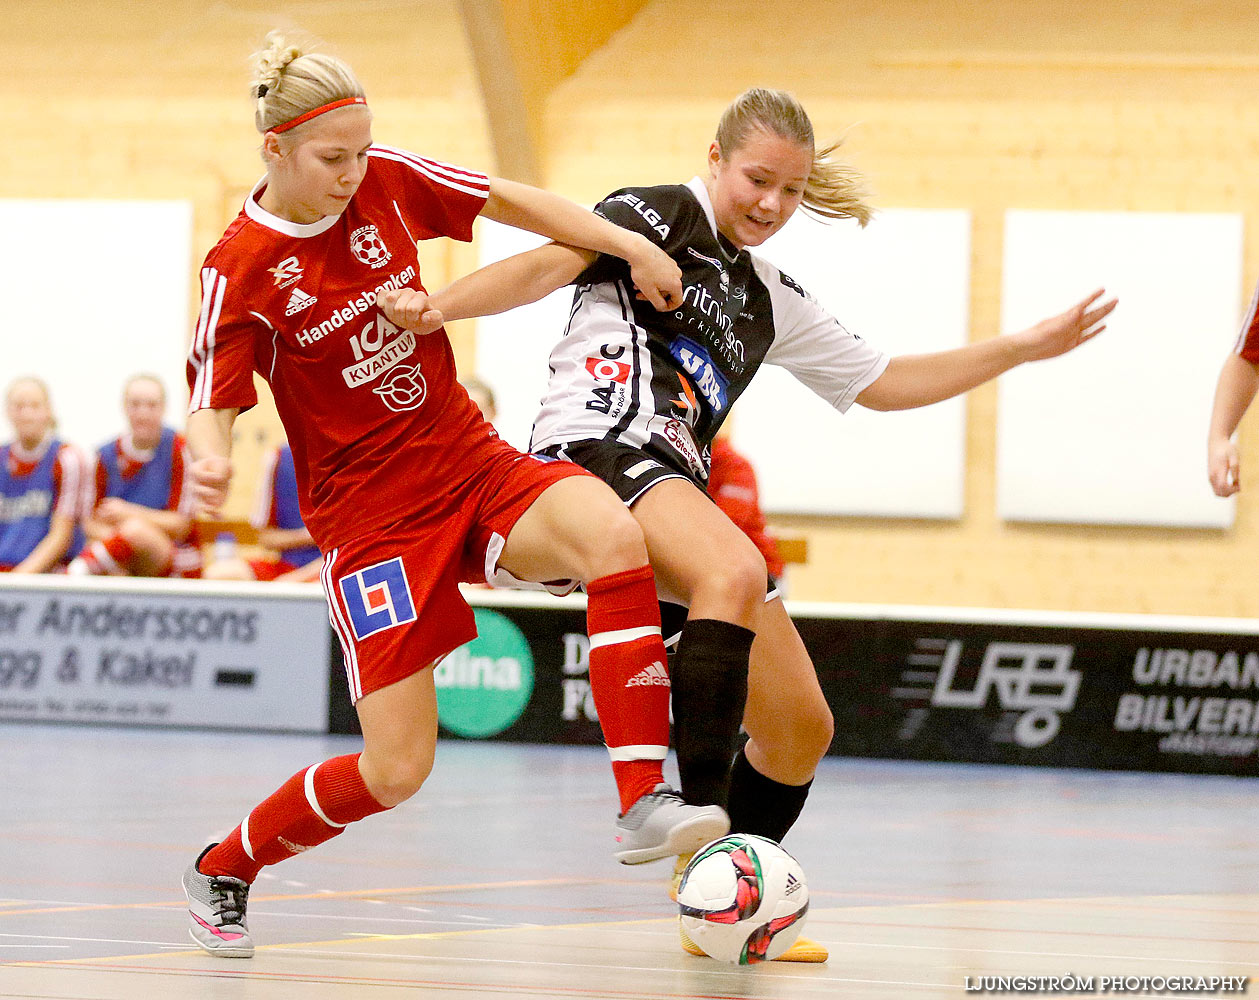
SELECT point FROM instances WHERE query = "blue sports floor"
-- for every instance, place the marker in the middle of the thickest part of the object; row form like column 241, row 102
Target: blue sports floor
column 497, row 880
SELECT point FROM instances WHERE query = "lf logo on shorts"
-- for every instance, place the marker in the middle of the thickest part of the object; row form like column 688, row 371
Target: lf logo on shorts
column 377, row 598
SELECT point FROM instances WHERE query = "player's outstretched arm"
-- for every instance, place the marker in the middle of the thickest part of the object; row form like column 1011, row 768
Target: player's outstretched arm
column 912, row 380
column 495, row 288
column 209, row 437
column 1234, row 392
column 655, row 274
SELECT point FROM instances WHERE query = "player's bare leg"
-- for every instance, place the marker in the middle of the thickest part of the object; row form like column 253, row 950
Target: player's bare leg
column 399, row 738
column 399, row 725
column 703, row 560
column 578, row 529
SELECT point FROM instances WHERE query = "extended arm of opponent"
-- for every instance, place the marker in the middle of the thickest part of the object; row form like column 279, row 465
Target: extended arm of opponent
column 1233, row 395
column 912, row 380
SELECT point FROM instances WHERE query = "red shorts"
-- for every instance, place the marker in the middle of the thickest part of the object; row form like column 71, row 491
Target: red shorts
column 393, row 594
column 268, row 569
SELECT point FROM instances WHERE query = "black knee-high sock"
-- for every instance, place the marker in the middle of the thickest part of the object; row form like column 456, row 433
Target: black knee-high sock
column 709, row 675
column 760, row 805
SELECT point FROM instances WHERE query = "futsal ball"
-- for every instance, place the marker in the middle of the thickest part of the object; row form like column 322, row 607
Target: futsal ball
column 743, row 899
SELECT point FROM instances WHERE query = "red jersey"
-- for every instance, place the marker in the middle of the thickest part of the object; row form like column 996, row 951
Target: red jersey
column 376, row 419
column 1247, row 344
column 732, row 485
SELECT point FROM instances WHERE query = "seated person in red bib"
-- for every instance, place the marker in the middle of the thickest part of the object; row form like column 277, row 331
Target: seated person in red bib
column 141, row 521
column 42, row 483
column 278, row 519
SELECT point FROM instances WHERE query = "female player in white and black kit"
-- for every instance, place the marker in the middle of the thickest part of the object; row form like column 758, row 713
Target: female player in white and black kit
column 636, row 396
column 402, row 483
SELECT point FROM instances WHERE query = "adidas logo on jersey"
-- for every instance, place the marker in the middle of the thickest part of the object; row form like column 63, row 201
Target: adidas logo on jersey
column 298, row 301
column 650, row 676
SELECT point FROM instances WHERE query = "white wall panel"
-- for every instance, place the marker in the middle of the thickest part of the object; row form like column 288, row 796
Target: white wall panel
column 1115, row 433
column 90, row 293
column 903, row 283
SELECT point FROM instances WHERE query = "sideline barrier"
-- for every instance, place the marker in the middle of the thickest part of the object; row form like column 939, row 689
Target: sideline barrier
column 1135, row 692
column 187, row 653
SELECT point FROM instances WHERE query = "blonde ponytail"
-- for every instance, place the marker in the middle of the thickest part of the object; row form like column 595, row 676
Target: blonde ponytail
column 288, row 82
column 834, row 190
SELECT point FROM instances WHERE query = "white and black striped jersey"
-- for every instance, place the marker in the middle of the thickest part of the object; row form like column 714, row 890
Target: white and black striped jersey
column 663, row 382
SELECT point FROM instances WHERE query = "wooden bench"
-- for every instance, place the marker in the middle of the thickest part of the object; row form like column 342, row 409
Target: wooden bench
column 244, row 532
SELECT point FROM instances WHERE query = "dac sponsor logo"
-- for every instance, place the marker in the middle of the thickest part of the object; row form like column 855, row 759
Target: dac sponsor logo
column 1033, row 683
column 368, row 247
column 615, row 374
column 378, row 598
column 484, row 686
column 403, row 389
column 606, row 370
column 287, row 272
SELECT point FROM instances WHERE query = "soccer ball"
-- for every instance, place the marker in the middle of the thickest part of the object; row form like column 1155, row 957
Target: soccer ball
column 743, row 899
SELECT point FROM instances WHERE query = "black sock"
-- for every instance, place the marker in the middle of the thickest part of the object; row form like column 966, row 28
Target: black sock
column 709, row 675
column 760, row 805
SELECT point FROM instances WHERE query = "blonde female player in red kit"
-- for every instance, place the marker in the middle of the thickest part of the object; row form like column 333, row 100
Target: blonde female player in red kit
column 404, row 485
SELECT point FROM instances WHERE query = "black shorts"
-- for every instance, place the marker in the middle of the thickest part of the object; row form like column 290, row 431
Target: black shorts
column 628, row 470
column 631, row 473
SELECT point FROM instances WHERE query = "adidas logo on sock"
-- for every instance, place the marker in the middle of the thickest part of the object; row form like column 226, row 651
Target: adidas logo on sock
column 793, row 884
column 650, row 676
column 298, row 301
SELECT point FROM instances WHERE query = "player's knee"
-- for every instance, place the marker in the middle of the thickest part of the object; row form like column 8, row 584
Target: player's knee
column 141, row 535
column 395, row 780
column 616, row 546
column 804, row 734
column 737, row 581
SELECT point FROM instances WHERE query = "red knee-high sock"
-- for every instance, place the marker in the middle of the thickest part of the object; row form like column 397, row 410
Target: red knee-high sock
column 629, row 678
column 312, row 806
column 108, row 557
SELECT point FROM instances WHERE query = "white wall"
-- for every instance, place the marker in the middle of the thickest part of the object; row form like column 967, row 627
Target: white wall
column 90, row 293
column 1116, row 431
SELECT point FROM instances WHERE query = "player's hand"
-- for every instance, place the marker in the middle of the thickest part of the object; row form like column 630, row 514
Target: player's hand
column 111, row 511
column 1065, row 332
column 1223, row 467
column 210, row 479
column 409, row 309
column 657, row 277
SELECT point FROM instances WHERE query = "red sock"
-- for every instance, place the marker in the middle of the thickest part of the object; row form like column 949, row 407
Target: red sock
column 312, row 806
column 110, row 557
column 629, row 678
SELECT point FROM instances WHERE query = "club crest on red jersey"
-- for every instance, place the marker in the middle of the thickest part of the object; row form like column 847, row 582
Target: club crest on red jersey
column 403, row 388
column 368, row 247
column 377, row 598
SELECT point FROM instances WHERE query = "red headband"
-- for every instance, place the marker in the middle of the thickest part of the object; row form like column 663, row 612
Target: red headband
column 302, row 119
